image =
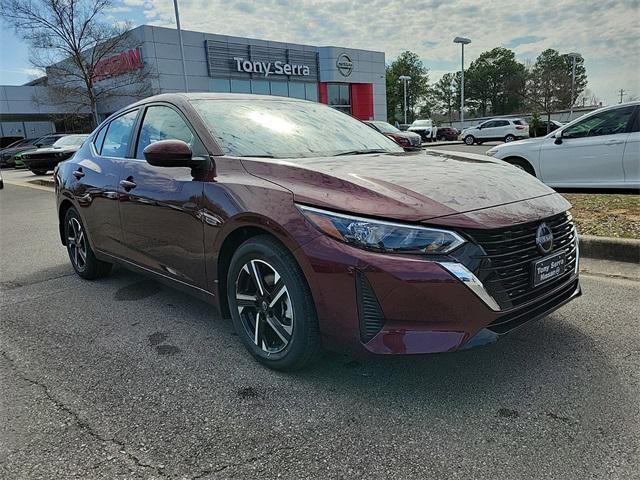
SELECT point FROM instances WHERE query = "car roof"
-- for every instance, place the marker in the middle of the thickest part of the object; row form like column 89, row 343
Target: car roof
column 180, row 97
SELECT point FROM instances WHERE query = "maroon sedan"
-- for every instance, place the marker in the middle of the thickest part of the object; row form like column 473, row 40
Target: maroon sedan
column 407, row 140
column 339, row 240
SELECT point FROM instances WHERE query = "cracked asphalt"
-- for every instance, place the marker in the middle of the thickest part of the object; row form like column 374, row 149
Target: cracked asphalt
column 123, row 378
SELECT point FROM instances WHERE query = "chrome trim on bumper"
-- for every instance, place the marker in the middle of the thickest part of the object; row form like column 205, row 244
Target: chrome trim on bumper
column 467, row 277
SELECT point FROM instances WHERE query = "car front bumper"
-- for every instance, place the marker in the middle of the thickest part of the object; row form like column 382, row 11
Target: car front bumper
column 423, row 306
column 48, row 163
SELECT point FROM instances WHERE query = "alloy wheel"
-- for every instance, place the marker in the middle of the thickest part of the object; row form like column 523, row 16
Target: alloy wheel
column 77, row 244
column 265, row 306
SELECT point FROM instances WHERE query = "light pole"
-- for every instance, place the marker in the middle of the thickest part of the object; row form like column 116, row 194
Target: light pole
column 575, row 57
column 184, row 68
column 462, row 41
column 404, row 79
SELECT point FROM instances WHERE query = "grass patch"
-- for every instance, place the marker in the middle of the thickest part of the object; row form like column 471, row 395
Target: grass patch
column 606, row 215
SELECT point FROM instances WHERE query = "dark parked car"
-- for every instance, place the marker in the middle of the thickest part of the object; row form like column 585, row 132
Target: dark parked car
column 44, row 159
column 309, row 229
column 407, row 140
column 7, row 141
column 447, row 133
column 543, row 128
column 7, row 155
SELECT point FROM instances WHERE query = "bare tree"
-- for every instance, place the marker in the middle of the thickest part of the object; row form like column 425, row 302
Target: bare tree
column 83, row 55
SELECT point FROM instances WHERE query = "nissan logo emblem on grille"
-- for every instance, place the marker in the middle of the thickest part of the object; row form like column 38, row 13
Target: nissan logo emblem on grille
column 544, row 238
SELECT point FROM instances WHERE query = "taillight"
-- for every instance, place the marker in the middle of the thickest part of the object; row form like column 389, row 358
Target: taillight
column 519, row 127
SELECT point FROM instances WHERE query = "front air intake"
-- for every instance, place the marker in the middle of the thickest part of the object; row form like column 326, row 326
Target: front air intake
column 369, row 312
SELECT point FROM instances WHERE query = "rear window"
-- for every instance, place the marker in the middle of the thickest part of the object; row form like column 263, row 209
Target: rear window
column 518, row 122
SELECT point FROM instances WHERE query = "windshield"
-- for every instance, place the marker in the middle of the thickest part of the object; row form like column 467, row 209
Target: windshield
column 422, row 123
column 70, row 141
column 385, row 127
column 17, row 144
column 287, row 129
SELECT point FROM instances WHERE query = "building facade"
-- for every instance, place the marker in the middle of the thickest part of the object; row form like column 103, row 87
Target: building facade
column 350, row 80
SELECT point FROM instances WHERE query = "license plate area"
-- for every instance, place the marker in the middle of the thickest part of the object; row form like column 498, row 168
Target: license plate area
column 549, row 268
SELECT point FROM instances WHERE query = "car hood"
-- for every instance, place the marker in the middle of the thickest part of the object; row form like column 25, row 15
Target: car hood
column 46, row 150
column 426, row 127
column 411, row 187
column 14, row 150
column 405, row 134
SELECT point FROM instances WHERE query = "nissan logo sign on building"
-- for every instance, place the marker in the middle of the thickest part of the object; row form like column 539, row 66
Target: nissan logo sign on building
column 344, row 64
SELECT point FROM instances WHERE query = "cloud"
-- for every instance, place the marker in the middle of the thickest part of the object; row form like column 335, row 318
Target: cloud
column 118, row 9
column 601, row 31
column 525, row 40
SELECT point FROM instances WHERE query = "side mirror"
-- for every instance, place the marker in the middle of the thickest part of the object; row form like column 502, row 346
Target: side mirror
column 171, row 153
column 558, row 138
column 37, row 145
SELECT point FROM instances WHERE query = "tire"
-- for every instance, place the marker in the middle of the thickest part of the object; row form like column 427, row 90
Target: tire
column 509, row 138
column 281, row 343
column 39, row 172
column 522, row 165
column 469, row 140
column 81, row 255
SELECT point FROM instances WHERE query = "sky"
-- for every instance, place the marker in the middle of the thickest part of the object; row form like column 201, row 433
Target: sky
column 605, row 32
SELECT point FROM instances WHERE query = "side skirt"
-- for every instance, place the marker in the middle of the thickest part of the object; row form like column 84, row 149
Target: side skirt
column 202, row 294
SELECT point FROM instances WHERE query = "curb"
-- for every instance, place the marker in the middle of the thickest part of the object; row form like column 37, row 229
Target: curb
column 607, row 248
column 441, row 143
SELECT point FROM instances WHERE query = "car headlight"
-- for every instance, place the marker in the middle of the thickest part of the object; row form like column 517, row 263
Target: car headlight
column 491, row 152
column 381, row 236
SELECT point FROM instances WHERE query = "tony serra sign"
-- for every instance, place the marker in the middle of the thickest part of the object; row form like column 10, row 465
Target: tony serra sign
column 235, row 60
column 271, row 68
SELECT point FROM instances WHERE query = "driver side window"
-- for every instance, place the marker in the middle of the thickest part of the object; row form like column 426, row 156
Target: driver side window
column 162, row 123
column 610, row 122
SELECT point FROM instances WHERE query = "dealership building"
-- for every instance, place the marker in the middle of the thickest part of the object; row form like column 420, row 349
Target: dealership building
column 350, row 80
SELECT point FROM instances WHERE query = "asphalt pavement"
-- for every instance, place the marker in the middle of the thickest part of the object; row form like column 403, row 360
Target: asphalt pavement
column 125, row 378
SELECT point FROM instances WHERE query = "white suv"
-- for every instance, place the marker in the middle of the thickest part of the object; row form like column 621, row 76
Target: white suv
column 506, row 129
column 598, row 150
column 425, row 128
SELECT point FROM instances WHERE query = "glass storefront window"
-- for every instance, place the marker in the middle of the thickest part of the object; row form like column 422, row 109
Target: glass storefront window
column 220, row 85
column 311, row 91
column 340, row 96
column 280, row 89
column 240, row 86
column 260, row 87
column 296, row 90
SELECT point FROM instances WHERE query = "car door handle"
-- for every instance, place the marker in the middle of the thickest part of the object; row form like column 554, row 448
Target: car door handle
column 78, row 174
column 613, row 142
column 128, row 184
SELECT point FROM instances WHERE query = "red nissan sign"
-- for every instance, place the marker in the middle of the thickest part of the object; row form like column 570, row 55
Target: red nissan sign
column 118, row 64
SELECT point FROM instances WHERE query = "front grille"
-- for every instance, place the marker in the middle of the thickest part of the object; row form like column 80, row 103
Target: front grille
column 370, row 314
column 506, row 266
column 513, row 320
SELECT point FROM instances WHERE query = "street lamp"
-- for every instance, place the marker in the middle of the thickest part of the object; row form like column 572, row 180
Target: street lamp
column 462, row 41
column 404, row 79
column 184, row 68
column 576, row 57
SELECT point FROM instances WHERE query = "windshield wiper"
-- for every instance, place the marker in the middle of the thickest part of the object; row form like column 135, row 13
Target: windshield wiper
column 258, row 156
column 361, row 152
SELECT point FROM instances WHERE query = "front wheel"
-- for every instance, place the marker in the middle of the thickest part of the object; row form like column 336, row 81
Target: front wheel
column 469, row 140
column 83, row 260
column 39, row 172
column 522, row 165
column 271, row 305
